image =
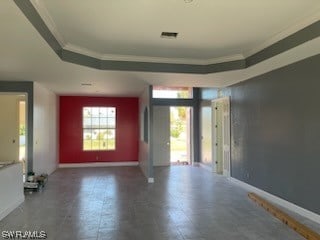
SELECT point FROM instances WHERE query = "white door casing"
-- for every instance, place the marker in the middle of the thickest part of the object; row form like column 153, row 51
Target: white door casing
column 221, row 135
column 226, row 136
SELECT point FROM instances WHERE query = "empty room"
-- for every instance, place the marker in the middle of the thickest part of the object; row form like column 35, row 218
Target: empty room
column 158, row 120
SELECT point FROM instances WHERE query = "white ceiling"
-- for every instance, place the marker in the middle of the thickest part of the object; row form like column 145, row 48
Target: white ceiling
column 24, row 55
column 207, row 29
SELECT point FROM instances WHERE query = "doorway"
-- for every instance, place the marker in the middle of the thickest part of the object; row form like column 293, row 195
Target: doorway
column 22, row 132
column 180, row 134
column 171, row 135
column 13, row 128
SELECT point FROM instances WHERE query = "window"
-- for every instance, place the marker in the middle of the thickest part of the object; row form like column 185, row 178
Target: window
column 172, row 92
column 99, row 128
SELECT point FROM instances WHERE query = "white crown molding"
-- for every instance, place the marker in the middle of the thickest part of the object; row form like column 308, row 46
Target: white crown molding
column 229, row 58
column 303, row 51
column 82, row 50
column 283, row 34
column 45, row 15
column 133, row 58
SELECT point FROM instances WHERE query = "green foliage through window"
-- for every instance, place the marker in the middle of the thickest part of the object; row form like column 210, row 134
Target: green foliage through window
column 177, row 121
column 22, row 130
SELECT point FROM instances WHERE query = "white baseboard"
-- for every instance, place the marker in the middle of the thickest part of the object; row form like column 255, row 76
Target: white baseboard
column 10, row 208
column 53, row 169
column 150, row 180
column 281, row 202
column 98, row 164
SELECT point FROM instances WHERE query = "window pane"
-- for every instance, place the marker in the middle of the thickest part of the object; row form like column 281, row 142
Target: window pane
column 111, row 144
column 111, row 134
column 172, row 92
column 95, row 145
column 95, row 139
column 95, row 112
column 103, row 112
column 103, row 123
column 86, row 144
column 95, row 134
column 86, row 112
column 87, row 122
column 95, row 123
column 111, row 123
column 101, row 134
column 87, row 134
column 86, row 139
column 111, row 112
column 103, row 145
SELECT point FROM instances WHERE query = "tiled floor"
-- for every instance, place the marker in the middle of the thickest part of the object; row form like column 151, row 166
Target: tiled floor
column 185, row 202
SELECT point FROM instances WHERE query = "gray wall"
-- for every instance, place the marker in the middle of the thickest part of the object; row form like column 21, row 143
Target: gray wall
column 275, row 132
column 23, row 87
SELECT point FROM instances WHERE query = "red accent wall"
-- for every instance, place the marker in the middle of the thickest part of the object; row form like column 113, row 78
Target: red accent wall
column 127, row 129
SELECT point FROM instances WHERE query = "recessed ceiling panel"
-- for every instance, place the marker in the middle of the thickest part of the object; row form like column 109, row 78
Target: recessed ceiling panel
column 207, row 29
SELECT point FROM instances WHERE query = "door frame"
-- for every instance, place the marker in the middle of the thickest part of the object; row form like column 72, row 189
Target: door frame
column 189, row 132
column 25, row 100
column 24, row 96
column 216, row 122
column 194, row 103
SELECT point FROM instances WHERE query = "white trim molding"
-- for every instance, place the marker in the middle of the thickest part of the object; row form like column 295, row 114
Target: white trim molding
column 149, row 59
column 312, row 18
column 45, row 16
column 279, row 201
column 98, row 164
column 10, row 208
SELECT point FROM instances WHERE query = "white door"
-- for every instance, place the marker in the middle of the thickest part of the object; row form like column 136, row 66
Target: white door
column 216, row 137
column 9, row 132
column 226, row 136
column 221, row 135
column 161, row 136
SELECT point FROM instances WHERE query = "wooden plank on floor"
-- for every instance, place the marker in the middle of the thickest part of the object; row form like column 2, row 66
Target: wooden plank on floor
column 285, row 218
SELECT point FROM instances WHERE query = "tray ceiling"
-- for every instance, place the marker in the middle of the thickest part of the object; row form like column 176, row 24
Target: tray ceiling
column 31, row 51
column 208, row 31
